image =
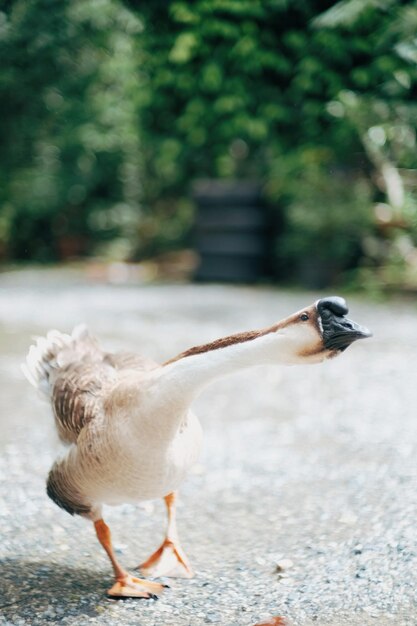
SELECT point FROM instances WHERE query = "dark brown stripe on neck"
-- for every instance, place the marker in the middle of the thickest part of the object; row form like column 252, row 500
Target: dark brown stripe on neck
column 224, row 342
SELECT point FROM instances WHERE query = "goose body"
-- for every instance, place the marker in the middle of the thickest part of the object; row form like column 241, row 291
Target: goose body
column 127, row 422
column 127, row 442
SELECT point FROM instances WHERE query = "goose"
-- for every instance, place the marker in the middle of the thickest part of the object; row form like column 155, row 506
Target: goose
column 128, row 427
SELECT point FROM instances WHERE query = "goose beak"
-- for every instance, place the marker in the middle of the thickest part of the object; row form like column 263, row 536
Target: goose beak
column 338, row 331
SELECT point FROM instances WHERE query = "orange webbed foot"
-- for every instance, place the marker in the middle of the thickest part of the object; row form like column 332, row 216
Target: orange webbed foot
column 168, row 560
column 131, row 587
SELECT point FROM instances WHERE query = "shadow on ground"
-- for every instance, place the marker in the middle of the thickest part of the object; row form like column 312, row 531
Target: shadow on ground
column 54, row 585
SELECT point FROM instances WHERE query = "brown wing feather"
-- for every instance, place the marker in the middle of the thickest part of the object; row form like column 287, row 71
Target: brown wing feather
column 80, row 388
column 77, row 396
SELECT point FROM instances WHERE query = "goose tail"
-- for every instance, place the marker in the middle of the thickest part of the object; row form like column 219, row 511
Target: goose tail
column 51, row 353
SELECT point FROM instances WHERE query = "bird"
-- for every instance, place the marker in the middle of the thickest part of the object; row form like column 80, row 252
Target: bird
column 129, row 431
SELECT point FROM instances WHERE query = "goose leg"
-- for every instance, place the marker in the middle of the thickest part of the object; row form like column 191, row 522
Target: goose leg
column 126, row 586
column 169, row 559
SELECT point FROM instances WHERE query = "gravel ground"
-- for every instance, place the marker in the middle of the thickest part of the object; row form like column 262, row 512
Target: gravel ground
column 311, row 469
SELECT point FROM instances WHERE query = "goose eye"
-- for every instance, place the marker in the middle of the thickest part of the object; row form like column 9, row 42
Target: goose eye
column 304, row 317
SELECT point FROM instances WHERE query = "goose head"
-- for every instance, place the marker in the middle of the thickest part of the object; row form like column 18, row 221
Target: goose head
column 319, row 332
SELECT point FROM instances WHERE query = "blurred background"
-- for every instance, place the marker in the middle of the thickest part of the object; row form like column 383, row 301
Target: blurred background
column 236, row 140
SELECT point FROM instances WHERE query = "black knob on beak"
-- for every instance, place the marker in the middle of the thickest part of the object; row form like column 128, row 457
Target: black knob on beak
column 334, row 304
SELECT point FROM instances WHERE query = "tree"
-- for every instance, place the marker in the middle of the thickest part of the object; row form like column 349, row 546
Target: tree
column 70, row 155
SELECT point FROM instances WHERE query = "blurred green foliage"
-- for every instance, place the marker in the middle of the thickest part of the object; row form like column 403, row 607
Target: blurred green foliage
column 110, row 109
column 70, row 151
column 254, row 91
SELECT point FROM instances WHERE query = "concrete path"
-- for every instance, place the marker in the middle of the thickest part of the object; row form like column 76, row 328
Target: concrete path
column 312, row 469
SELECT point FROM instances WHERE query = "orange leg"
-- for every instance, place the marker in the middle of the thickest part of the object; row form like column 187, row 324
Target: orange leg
column 169, row 559
column 126, row 586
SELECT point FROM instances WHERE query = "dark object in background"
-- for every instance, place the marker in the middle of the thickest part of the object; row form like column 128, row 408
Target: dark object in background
column 230, row 231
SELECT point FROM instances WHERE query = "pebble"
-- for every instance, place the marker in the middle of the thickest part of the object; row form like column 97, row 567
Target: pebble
column 283, row 565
